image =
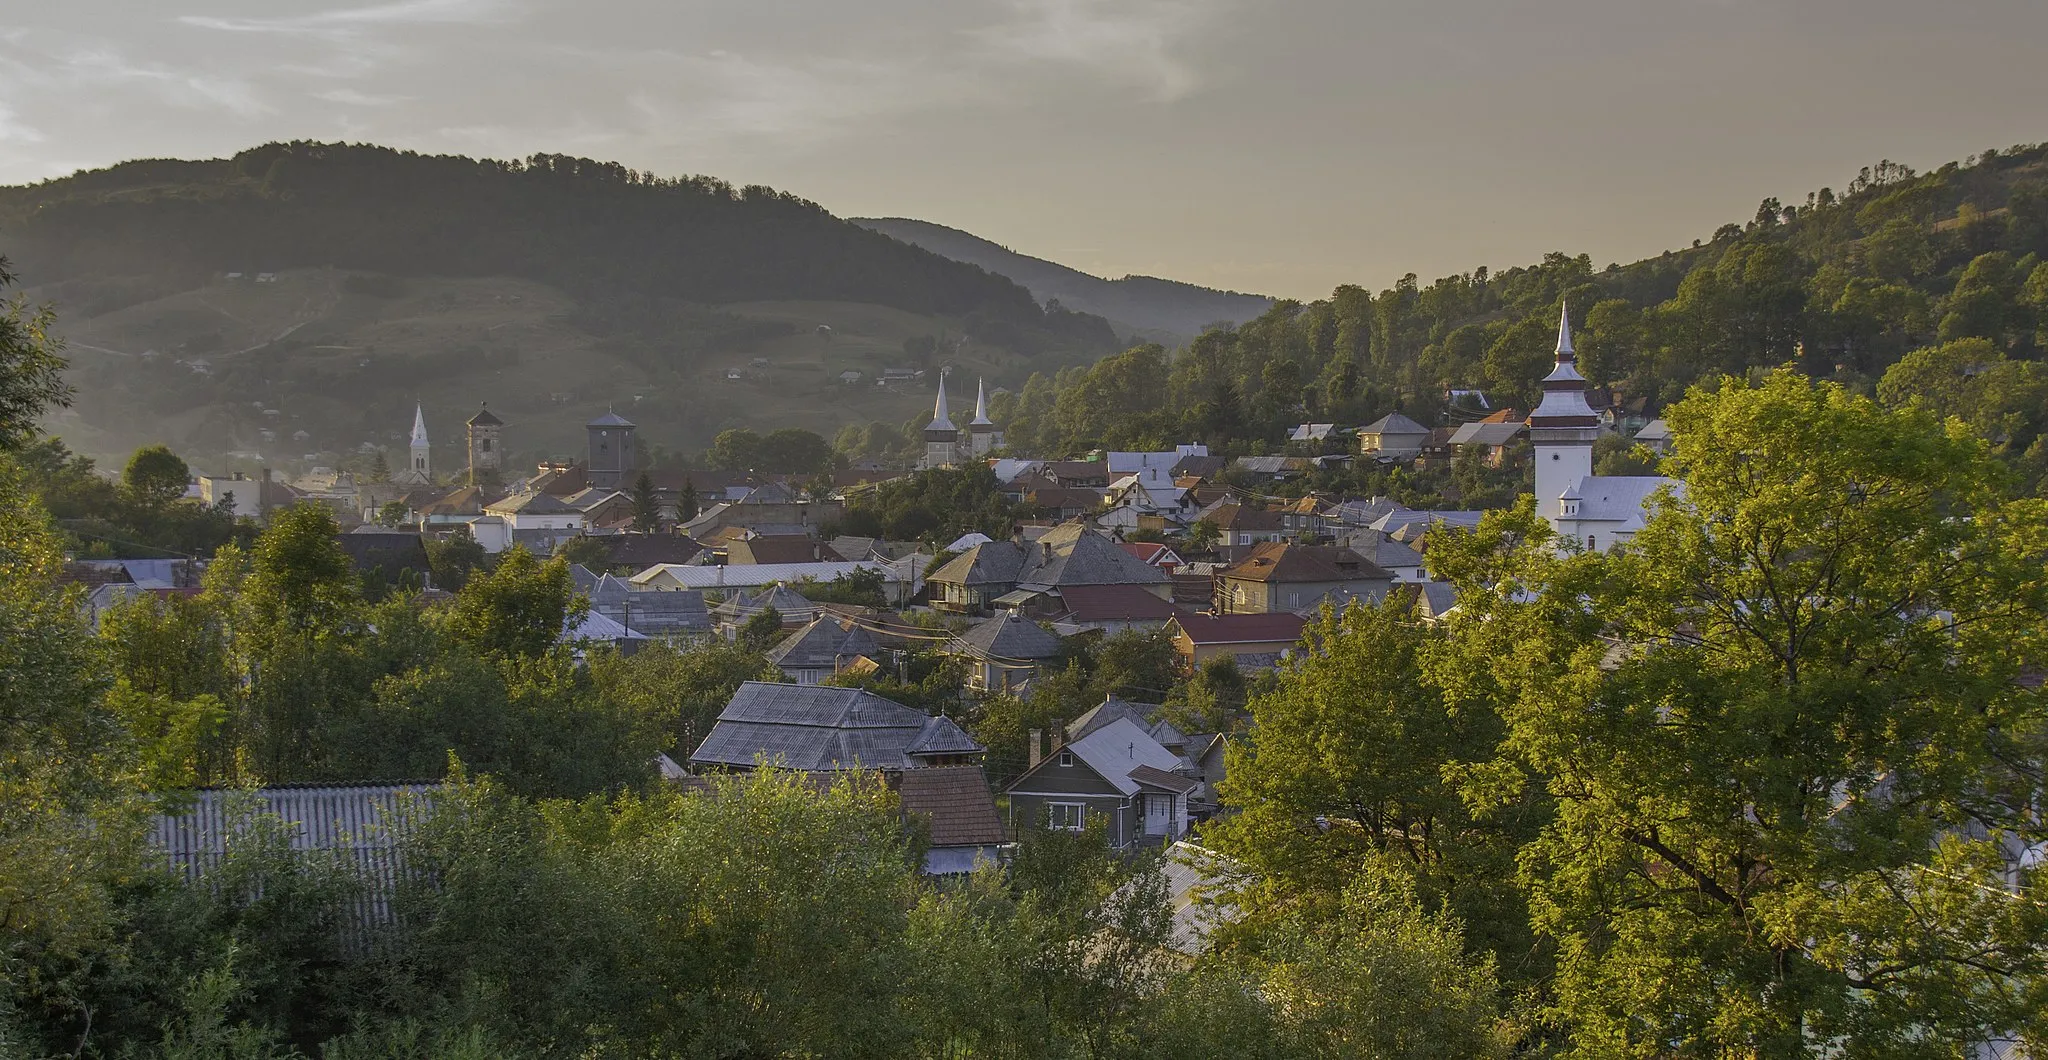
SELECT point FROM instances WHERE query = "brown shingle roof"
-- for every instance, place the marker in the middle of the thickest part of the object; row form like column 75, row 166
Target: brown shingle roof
column 1114, row 603
column 779, row 548
column 1234, row 516
column 1283, row 562
column 955, row 803
column 1241, row 629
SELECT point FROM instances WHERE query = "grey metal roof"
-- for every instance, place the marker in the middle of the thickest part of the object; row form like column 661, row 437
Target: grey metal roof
column 1393, row 423
column 742, row 605
column 1487, row 433
column 1072, row 554
column 813, row 728
column 1006, row 636
column 993, row 563
column 610, row 419
column 943, row 736
column 1112, row 708
column 823, row 645
column 1068, row 554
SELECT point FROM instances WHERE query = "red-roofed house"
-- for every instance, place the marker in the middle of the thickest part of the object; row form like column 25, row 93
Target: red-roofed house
column 1254, row 641
column 1111, row 609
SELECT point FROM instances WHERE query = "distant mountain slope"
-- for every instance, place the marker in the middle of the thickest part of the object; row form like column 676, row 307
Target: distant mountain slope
column 1136, row 302
column 625, row 244
column 322, row 289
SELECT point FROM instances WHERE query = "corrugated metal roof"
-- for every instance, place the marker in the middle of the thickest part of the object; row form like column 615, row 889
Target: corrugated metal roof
column 814, row 728
column 359, row 825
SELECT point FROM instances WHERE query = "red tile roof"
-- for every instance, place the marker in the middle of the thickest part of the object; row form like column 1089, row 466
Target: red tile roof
column 955, row 803
column 1115, row 603
column 1240, row 629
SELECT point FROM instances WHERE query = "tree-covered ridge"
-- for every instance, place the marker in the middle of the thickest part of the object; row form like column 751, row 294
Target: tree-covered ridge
column 609, row 235
column 1843, row 284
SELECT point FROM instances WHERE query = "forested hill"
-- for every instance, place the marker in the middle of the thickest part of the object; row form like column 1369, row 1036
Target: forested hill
column 1134, row 303
column 1938, row 274
column 585, row 227
column 298, row 299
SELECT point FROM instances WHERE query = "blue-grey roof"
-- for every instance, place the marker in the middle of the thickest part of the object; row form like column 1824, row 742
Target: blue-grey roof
column 823, row 645
column 1006, row 636
column 943, row 736
column 814, row 728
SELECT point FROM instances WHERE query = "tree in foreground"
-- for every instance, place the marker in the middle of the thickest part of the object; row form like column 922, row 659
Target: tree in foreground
column 31, row 367
column 1792, row 735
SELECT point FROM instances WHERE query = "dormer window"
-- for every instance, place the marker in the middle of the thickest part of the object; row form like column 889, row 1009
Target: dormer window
column 1066, row 759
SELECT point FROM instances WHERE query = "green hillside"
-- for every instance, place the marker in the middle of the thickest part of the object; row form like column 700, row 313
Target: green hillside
column 1164, row 310
column 550, row 287
column 1845, row 284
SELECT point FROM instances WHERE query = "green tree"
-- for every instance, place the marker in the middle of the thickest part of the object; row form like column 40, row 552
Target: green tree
column 300, row 581
column 687, row 503
column 1202, row 535
column 761, row 631
column 31, row 367
column 646, row 505
column 1355, row 758
column 738, row 449
column 1756, row 849
column 794, row 451
column 453, row 558
column 155, row 476
column 393, row 514
column 683, row 689
column 69, row 817
column 520, row 608
column 1379, row 977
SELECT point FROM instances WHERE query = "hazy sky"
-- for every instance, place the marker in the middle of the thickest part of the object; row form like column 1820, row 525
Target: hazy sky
column 1279, row 146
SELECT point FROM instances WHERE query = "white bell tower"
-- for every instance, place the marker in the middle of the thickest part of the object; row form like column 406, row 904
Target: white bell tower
column 1562, row 430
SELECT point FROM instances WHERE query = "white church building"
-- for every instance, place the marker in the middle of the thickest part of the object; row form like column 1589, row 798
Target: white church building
column 1598, row 511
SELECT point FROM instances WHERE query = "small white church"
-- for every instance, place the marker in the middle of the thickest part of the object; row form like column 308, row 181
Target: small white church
column 1598, row 511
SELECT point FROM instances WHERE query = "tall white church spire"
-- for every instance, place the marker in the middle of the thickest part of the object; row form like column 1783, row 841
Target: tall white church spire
column 941, row 421
column 419, row 468
column 1562, row 430
column 981, row 404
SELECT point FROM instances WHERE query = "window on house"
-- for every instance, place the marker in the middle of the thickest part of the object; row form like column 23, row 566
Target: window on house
column 1592, row 543
column 1069, row 816
column 484, row 445
column 1066, row 759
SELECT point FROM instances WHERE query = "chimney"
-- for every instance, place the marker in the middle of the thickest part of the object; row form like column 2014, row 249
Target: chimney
column 1036, row 737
